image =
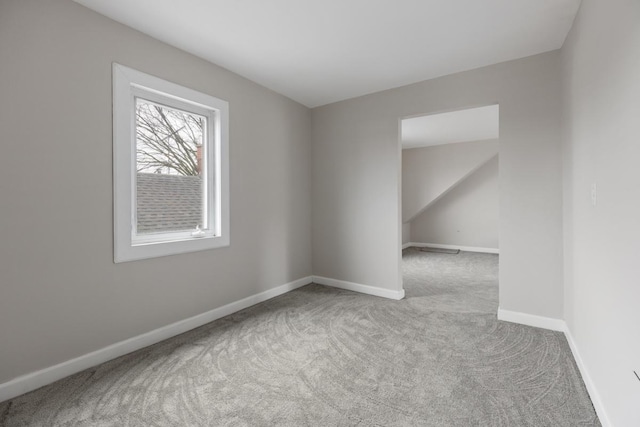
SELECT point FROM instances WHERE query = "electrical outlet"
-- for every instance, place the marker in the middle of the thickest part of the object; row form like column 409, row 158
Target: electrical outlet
column 594, row 194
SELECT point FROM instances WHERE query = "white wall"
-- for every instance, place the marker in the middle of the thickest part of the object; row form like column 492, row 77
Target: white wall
column 428, row 172
column 356, row 177
column 601, row 92
column 61, row 295
column 467, row 215
column 406, row 232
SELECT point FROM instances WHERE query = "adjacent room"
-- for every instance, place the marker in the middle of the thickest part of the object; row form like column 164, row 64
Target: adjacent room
column 204, row 207
column 450, row 210
column 450, row 189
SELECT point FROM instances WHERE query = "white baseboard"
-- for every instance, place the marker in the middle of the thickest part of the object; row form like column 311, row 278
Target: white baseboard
column 588, row 382
column 34, row 380
column 561, row 326
column 462, row 248
column 532, row 320
column 357, row 287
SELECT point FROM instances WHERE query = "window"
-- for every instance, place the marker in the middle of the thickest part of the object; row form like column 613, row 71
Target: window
column 171, row 168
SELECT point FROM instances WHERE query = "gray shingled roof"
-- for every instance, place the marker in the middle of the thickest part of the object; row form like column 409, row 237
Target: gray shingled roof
column 168, row 202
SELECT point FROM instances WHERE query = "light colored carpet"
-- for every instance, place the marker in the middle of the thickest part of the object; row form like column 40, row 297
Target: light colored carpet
column 319, row 356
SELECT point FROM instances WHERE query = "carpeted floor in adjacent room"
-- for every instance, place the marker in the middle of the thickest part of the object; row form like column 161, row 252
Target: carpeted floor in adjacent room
column 319, row 356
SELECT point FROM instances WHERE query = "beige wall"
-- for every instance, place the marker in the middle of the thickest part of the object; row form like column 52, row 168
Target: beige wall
column 601, row 88
column 356, row 177
column 61, row 295
column 467, row 215
column 428, row 172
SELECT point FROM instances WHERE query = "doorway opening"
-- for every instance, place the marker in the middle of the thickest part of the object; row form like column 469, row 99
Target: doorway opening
column 450, row 207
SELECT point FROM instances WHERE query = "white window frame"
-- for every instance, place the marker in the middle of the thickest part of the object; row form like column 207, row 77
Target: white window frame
column 129, row 84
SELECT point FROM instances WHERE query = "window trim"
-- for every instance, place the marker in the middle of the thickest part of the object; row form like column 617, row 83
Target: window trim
column 129, row 84
column 213, row 225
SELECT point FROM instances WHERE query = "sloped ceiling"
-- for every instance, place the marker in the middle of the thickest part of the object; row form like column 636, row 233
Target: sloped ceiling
column 472, row 124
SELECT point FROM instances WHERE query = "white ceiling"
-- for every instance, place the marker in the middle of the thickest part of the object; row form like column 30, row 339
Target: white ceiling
column 322, row 51
column 473, row 124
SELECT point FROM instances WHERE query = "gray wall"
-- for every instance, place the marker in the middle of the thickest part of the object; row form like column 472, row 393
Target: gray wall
column 468, row 215
column 428, row 172
column 601, row 82
column 61, row 295
column 356, row 161
column 406, row 232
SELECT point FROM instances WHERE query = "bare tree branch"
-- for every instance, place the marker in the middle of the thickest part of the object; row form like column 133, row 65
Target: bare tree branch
column 167, row 140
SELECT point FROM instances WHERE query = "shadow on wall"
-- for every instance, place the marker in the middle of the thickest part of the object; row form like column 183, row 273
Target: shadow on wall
column 466, row 215
column 450, row 194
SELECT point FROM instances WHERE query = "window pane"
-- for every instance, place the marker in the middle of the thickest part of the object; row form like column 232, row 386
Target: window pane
column 170, row 193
